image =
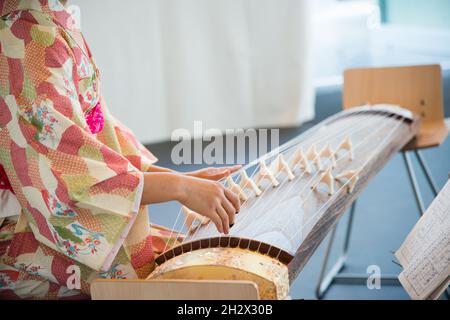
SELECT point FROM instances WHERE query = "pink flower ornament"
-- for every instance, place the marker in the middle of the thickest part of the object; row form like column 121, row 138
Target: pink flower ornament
column 95, row 119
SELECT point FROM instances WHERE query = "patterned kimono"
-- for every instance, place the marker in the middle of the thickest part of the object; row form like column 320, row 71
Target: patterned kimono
column 74, row 171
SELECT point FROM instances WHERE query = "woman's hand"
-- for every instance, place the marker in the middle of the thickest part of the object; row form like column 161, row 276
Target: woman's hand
column 210, row 199
column 195, row 190
column 213, row 173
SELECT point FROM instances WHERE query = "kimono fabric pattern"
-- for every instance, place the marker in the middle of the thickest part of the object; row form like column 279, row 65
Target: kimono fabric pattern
column 76, row 171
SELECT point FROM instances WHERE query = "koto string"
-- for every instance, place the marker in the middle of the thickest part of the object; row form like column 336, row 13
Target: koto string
column 261, row 220
column 205, row 229
column 185, row 219
column 285, row 147
column 337, row 160
column 171, row 230
column 395, row 128
column 350, row 130
column 209, row 223
column 310, row 182
column 307, row 185
column 237, row 230
column 292, row 238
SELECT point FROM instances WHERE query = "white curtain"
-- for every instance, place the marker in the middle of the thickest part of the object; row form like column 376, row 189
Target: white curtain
column 228, row 63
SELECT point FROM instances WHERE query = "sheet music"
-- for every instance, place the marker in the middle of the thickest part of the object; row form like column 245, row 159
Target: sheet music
column 440, row 290
column 425, row 254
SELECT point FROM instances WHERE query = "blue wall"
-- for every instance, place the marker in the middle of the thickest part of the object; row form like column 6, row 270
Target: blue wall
column 420, row 13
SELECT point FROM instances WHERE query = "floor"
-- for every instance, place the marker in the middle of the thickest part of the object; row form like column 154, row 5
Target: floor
column 386, row 211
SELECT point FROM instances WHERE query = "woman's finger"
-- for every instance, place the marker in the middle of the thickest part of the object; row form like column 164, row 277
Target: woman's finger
column 230, row 210
column 235, row 168
column 225, row 220
column 217, row 220
column 221, row 173
column 226, row 171
column 234, row 199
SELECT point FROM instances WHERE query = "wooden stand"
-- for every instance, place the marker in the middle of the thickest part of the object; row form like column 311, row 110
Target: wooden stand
column 417, row 88
column 106, row 289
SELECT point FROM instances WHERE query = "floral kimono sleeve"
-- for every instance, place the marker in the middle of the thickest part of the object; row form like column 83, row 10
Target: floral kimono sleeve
column 124, row 141
column 78, row 195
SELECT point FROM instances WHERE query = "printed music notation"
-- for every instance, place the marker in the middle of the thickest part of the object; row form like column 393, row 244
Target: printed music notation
column 425, row 254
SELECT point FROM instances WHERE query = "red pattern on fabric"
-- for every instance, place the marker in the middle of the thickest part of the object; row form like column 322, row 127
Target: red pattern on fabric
column 22, row 243
column 113, row 160
column 59, row 269
column 41, row 223
column 5, row 114
column 9, row 295
column 73, row 137
column 12, row 274
column 64, row 18
column 5, row 118
column 19, row 161
column 61, row 188
column 134, row 160
column 4, row 244
column 23, row 30
column 144, row 256
column 16, row 82
column 79, row 296
column 121, row 181
column 56, row 54
column 4, row 181
column 8, row 5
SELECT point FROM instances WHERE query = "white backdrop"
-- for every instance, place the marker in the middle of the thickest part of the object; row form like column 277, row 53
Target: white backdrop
column 231, row 64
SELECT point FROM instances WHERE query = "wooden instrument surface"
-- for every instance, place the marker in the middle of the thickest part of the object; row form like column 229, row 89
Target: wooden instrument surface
column 289, row 221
